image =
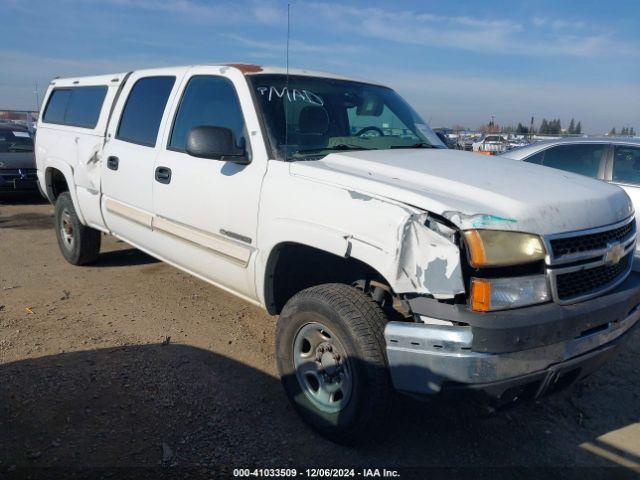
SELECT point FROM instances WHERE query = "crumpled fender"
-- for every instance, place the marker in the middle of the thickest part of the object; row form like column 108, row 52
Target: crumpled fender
column 427, row 261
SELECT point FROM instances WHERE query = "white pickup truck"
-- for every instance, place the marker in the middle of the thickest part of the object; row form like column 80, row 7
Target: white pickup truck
column 393, row 262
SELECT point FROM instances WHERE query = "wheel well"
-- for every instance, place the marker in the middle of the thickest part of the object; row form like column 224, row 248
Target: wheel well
column 292, row 267
column 56, row 183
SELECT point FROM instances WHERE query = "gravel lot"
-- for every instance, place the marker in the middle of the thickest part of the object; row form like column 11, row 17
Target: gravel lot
column 131, row 362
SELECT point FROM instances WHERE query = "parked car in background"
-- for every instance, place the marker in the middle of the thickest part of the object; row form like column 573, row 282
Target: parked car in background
column 465, row 142
column 493, row 144
column 18, row 173
column 517, row 142
column 614, row 160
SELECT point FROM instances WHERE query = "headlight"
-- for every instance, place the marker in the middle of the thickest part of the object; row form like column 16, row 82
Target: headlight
column 494, row 248
column 500, row 293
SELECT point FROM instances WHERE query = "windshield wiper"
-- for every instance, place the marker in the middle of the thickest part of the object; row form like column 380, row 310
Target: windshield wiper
column 339, row 147
column 415, row 145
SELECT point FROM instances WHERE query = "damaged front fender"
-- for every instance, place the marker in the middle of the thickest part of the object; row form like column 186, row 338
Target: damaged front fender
column 428, row 261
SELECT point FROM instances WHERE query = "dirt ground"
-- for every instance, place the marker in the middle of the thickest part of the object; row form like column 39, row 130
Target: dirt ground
column 131, row 362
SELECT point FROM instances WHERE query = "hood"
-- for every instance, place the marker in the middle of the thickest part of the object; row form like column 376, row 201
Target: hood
column 475, row 191
column 17, row 160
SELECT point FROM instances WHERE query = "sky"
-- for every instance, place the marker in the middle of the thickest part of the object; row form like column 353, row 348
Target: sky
column 455, row 62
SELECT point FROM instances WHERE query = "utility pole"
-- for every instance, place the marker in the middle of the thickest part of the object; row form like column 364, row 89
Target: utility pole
column 531, row 129
column 37, row 98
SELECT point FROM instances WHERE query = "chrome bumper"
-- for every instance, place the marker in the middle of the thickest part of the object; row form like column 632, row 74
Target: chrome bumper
column 424, row 357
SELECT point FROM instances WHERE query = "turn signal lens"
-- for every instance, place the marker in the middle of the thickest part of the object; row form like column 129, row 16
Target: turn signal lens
column 502, row 293
column 480, row 295
column 495, row 248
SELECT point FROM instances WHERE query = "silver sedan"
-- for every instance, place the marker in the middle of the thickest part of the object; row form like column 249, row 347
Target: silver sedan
column 613, row 160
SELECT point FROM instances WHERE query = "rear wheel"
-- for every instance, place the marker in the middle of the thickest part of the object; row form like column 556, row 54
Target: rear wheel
column 331, row 358
column 79, row 244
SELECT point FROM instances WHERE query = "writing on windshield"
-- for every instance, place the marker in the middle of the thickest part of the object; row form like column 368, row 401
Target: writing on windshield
column 313, row 116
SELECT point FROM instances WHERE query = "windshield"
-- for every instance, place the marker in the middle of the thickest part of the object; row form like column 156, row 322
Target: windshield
column 314, row 116
column 15, row 141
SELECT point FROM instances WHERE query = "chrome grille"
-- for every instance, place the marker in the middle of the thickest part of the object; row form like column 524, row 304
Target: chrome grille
column 595, row 241
column 585, row 264
column 576, row 284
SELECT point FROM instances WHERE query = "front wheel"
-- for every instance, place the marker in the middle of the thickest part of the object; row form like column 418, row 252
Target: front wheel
column 331, row 358
column 79, row 244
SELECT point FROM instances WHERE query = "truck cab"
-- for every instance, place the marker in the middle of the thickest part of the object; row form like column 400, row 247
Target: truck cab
column 392, row 262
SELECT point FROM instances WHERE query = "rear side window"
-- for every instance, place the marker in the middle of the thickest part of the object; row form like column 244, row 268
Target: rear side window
column 83, row 109
column 626, row 165
column 77, row 106
column 143, row 111
column 583, row 159
column 208, row 101
column 56, row 107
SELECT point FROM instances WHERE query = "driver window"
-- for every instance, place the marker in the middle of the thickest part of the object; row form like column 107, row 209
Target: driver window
column 207, row 100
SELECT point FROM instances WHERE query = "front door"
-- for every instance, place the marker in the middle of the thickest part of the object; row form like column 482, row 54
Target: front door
column 206, row 209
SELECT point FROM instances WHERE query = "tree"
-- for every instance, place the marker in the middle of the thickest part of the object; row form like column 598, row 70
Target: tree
column 490, row 128
column 572, row 127
column 632, row 132
column 557, row 127
column 521, row 129
column 612, row 132
column 624, row 132
column 544, row 127
column 578, row 130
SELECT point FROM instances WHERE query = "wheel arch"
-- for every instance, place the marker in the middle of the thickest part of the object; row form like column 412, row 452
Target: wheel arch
column 58, row 178
column 293, row 266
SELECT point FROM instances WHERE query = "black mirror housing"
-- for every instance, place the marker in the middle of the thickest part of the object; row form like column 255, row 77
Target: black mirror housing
column 216, row 143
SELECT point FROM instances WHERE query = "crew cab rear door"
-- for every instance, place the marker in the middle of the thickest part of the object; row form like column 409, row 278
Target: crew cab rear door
column 207, row 209
column 131, row 146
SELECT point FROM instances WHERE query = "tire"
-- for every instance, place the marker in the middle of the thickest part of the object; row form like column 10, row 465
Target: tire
column 356, row 362
column 79, row 244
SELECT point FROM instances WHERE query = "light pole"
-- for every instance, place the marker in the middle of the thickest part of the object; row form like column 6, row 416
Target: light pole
column 37, row 98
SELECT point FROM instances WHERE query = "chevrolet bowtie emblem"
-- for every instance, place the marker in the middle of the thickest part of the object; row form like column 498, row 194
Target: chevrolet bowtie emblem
column 615, row 252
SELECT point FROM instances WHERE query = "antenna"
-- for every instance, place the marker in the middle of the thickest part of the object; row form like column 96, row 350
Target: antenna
column 284, row 103
column 288, row 34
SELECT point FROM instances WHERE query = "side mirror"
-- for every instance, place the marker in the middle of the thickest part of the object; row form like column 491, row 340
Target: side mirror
column 217, row 143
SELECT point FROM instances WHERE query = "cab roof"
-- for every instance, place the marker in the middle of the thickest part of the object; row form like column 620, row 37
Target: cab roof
column 244, row 68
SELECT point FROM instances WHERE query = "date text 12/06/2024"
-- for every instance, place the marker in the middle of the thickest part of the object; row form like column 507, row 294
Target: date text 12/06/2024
column 316, row 473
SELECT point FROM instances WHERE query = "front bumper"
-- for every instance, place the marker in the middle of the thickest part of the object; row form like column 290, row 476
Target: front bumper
column 18, row 181
column 426, row 359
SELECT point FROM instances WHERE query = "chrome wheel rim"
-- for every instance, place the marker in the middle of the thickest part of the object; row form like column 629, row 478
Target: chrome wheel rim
column 66, row 229
column 322, row 367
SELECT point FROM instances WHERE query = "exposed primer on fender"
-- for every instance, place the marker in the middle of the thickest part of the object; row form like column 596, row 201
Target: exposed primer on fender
column 479, row 220
column 427, row 261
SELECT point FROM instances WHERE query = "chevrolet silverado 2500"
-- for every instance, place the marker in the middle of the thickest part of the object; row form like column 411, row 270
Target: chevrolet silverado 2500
column 392, row 262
